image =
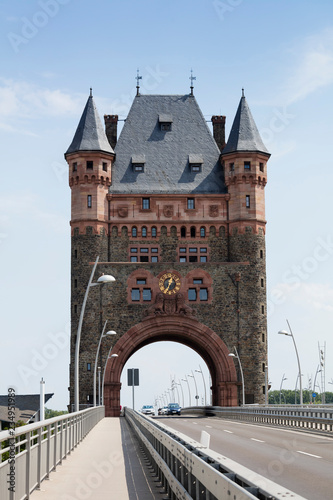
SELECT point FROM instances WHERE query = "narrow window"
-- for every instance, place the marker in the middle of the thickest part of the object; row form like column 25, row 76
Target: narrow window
column 261, row 254
column 261, row 167
column 263, row 309
column 192, row 294
column 263, row 337
column 90, row 165
column 154, row 258
column 231, row 167
column 183, row 232
column 247, row 165
column 89, row 201
column 146, row 294
column 247, row 201
column 202, row 232
column 146, row 203
column 134, row 258
column 75, row 309
column 88, row 367
column 203, row 294
column 193, row 232
column 75, row 254
column 262, row 282
column 135, row 294
column 190, row 203
column 203, row 258
column 75, row 283
column 263, row 367
column 105, row 166
column 153, row 232
column 75, row 167
column 134, row 232
column 182, row 259
column 144, row 232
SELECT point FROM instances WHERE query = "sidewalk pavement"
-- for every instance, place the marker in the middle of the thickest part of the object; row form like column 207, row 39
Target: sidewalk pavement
column 106, row 465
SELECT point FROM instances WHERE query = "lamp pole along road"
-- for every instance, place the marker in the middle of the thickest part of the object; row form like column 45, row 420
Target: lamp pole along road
column 283, row 332
column 203, row 380
column 111, row 332
column 196, row 388
column 106, row 362
column 100, row 281
column 232, row 355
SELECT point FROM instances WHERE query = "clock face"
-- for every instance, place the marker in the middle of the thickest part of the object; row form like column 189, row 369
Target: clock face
column 169, row 283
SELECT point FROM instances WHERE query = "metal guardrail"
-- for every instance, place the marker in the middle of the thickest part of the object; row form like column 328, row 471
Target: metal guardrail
column 188, row 470
column 29, row 453
column 313, row 419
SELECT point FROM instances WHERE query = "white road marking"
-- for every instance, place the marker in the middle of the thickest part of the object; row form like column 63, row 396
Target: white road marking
column 195, row 423
column 209, row 426
column 229, row 432
column 308, row 454
column 258, row 440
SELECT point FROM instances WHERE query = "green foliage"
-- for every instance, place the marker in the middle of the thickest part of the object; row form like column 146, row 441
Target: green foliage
column 54, row 413
column 288, row 397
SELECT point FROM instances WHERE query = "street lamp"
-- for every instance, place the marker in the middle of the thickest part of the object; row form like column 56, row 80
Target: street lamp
column 196, row 388
column 111, row 332
column 284, row 332
column 179, row 383
column 232, row 355
column 203, row 380
column 101, row 280
column 189, row 392
column 106, row 362
column 283, row 378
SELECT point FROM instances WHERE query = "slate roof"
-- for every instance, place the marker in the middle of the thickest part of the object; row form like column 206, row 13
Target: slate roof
column 90, row 135
column 166, row 153
column 244, row 135
column 26, row 406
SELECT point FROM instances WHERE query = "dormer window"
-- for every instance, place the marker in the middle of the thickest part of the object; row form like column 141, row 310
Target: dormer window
column 138, row 163
column 165, row 122
column 195, row 162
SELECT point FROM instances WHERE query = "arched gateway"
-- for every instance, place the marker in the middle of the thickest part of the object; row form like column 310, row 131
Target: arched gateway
column 187, row 331
column 177, row 216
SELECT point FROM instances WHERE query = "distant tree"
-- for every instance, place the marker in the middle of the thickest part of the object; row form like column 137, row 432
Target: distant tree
column 288, row 397
column 54, row 413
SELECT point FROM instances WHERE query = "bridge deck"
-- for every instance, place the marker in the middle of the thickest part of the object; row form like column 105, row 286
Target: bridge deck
column 107, row 465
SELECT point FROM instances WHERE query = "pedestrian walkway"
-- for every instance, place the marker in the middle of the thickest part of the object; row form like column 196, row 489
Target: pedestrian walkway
column 107, row 465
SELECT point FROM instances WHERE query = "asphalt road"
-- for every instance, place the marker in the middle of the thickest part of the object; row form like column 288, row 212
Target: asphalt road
column 300, row 461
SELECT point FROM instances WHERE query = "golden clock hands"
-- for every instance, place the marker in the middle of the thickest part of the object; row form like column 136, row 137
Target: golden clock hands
column 170, row 281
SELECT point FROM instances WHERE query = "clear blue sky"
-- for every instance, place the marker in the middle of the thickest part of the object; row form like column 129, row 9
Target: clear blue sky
column 53, row 51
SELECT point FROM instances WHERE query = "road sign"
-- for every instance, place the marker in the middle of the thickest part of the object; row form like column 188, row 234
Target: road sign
column 133, row 376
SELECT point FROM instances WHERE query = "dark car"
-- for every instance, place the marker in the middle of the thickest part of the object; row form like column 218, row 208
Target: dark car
column 173, row 409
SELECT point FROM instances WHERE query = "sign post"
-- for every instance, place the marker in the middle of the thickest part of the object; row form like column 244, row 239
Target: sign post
column 132, row 380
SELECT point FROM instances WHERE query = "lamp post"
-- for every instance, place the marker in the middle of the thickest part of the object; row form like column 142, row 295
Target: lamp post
column 203, row 380
column 314, row 383
column 174, row 385
column 101, row 280
column 189, row 392
column 106, row 362
column 232, row 355
column 196, row 388
column 284, row 332
column 179, row 383
column 111, row 332
column 283, row 378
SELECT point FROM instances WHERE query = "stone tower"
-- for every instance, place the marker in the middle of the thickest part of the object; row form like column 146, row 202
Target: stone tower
column 180, row 223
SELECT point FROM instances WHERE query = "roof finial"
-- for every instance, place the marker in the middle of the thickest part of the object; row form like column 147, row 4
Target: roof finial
column 243, row 92
column 91, row 92
column 138, row 78
column 192, row 78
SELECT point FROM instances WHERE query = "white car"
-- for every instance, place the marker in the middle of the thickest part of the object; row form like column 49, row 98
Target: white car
column 148, row 410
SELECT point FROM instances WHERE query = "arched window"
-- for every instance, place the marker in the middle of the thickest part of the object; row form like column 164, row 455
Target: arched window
column 202, row 232
column 193, row 232
column 134, row 232
column 183, row 232
column 144, row 232
column 153, row 232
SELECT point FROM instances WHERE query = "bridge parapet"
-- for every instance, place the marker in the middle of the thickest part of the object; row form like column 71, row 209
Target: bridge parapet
column 29, row 453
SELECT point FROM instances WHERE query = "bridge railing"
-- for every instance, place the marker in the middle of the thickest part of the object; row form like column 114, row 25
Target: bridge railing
column 188, row 470
column 315, row 419
column 29, row 453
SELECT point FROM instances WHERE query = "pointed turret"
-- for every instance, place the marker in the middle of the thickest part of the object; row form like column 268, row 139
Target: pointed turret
column 90, row 135
column 245, row 165
column 244, row 135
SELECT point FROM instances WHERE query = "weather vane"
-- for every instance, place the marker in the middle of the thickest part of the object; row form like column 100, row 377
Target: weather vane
column 192, row 78
column 138, row 78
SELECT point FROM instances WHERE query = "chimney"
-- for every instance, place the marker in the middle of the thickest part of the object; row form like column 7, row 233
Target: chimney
column 111, row 122
column 219, row 130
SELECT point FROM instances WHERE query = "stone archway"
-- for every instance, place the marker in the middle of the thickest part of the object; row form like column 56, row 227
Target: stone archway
column 181, row 329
